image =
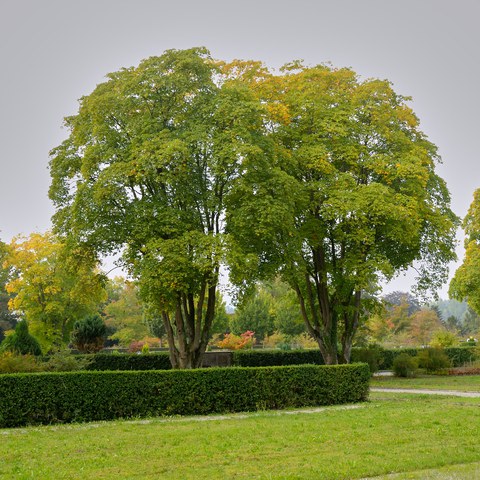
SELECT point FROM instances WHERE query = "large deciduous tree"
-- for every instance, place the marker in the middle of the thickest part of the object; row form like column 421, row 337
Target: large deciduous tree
column 465, row 285
column 351, row 198
column 150, row 159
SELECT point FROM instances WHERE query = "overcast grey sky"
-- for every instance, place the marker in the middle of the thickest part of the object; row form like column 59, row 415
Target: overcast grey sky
column 54, row 51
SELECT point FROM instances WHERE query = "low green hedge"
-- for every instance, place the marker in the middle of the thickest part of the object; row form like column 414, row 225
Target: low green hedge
column 129, row 361
column 45, row 398
column 255, row 358
column 264, row 358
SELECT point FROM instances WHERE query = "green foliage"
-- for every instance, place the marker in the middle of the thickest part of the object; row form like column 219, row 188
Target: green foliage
column 88, row 334
column 398, row 298
column 221, row 320
column 433, row 359
column 351, row 198
column 465, row 285
column 89, row 396
column 405, row 365
column 21, row 342
column 285, row 308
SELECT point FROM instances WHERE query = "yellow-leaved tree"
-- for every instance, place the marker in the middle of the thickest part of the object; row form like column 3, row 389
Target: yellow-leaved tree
column 52, row 286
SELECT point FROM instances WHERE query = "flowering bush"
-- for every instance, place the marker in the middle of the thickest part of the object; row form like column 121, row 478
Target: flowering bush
column 236, row 342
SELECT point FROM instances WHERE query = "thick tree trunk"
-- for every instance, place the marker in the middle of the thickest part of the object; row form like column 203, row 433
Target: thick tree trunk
column 323, row 328
column 188, row 331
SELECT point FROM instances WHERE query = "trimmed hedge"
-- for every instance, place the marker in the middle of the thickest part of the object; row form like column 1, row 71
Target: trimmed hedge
column 254, row 358
column 46, row 398
column 264, row 358
column 125, row 361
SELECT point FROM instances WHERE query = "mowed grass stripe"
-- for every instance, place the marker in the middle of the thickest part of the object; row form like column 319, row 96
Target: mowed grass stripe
column 464, row 383
column 403, row 435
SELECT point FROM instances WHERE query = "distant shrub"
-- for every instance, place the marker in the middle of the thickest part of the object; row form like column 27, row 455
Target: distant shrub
column 66, row 362
column 443, row 339
column 89, row 334
column 21, row 342
column 405, row 365
column 433, row 360
column 275, row 339
column 373, row 355
column 303, row 340
column 11, row 362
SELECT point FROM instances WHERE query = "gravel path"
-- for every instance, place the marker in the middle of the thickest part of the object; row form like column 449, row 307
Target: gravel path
column 453, row 393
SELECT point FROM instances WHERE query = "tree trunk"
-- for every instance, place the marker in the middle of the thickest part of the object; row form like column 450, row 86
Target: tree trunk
column 188, row 331
column 323, row 330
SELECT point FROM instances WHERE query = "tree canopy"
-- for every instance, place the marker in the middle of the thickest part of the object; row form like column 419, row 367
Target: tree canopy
column 150, row 159
column 352, row 198
column 309, row 173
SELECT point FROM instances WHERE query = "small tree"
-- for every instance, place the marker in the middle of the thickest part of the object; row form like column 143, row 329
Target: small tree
column 21, row 341
column 89, row 334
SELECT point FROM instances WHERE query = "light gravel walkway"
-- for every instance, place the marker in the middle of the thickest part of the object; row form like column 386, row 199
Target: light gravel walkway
column 453, row 393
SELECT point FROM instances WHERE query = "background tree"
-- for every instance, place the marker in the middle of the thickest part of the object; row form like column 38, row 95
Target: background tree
column 8, row 318
column 52, row 286
column 398, row 298
column 352, row 197
column 254, row 314
column 284, row 307
column 424, row 324
column 471, row 323
column 150, row 160
column 125, row 313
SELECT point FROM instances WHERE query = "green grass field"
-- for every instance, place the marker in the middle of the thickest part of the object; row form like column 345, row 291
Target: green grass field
column 464, row 383
column 409, row 436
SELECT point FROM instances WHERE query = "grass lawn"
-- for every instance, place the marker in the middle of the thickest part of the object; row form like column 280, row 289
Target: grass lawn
column 409, row 436
column 464, row 383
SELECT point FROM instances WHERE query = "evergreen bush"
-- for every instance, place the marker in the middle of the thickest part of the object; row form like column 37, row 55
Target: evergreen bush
column 21, row 342
column 88, row 334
